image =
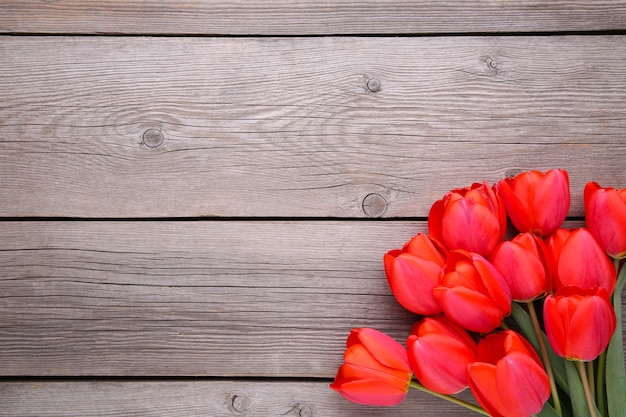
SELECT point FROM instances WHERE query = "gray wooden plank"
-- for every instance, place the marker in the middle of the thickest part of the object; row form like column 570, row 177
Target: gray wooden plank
column 289, row 127
column 240, row 299
column 188, row 298
column 298, row 17
column 202, row 398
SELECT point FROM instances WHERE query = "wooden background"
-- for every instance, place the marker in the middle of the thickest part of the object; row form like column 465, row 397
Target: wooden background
column 195, row 197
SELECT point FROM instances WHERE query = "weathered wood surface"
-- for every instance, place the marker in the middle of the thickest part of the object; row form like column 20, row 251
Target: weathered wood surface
column 192, row 298
column 304, row 17
column 203, row 399
column 296, row 127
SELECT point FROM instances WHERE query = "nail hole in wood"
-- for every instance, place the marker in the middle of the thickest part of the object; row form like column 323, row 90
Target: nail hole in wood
column 152, row 138
column 374, row 205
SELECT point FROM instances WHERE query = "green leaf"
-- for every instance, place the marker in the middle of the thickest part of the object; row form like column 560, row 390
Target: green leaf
column 615, row 380
column 577, row 392
column 547, row 411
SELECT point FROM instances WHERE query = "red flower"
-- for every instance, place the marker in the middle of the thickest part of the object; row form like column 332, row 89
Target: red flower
column 473, row 292
column 413, row 272
column 376, row 369
column 525, row 265
column 536, row 202
column 579, row 323
column 439, row 352
column 605, row 214
column 471, row 218
column 580, row 261
column 508, row 379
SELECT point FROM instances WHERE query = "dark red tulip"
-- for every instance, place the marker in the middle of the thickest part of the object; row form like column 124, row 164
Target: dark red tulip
column 526, row 266
column 579, row 323
column 473, row 292
column 471, row 218
column 605, row 215
column 414, row 271
column 580, row 261
column 439, row 352
column 508, row 379
column 376, row 369
column 536, row 202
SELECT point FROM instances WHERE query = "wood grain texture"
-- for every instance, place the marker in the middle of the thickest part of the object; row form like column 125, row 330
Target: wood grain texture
column 303, row 17
column 203, row 398
column 214, row 298
column 288, row 126
column 188, row 298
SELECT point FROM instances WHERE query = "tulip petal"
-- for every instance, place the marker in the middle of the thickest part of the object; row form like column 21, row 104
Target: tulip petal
column 470, row 226
column 583, row 263
column 522, row 384
column 411, row 280
column 371, row 392
column 470, row 309
column 483, row 384
column 381, row 347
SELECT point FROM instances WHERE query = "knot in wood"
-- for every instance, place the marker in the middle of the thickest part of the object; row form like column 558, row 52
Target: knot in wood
column 305, row 411
column 238, row 403
column 513, row 172
column 152, row 138
column 373, row 85
column 374, row 205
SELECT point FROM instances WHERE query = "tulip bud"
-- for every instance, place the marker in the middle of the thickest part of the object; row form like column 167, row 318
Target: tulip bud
column 605, row 215
column 525, row 265
column 471, row 219
column 376, row 369
column 439, row 352
column 473, row 292
column 508, row 379
column 579, row 323
column 413, row 272
column 536, row 202
column 580, row 261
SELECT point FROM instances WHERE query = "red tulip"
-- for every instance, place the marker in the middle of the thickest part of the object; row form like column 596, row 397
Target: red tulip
column 580, row 261
column 605, row 214
column 508, row 379
column 413, row 272
column 439, row 352
column 536, row 202
column 579, row 323
column 471, row 218
column 376, row 369
column 473, row 292
column 525, row 265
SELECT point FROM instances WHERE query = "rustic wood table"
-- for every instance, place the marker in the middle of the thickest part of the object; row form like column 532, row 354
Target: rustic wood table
column 195, row 197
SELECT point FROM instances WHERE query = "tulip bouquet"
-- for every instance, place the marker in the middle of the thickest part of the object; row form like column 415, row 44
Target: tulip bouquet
column 532, row 324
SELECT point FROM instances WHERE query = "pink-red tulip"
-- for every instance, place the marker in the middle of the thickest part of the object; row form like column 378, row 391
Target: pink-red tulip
column 439, row 352
column 536, row 202
column 579, row 323
column 473, row 292
column 414, row 271
column 605, row 215
column 471, row 218
column 376, row 369
column 580, row 261
column 526, row 266
column 508, row 379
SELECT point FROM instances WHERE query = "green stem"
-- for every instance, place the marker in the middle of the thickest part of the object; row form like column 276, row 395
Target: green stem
column 546, row 358
column 583, row 377
column 591, row 378
column 600, row 389
column 450, row 398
